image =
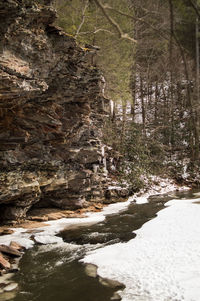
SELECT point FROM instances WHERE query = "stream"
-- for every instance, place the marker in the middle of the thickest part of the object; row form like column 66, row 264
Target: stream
column 54, row 272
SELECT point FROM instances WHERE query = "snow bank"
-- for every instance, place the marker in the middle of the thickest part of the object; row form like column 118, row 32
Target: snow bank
column 20, row 236
column 47, row 234
column 163, row 261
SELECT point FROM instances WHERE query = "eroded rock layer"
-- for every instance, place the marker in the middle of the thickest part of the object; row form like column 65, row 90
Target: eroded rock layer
column 51, row 108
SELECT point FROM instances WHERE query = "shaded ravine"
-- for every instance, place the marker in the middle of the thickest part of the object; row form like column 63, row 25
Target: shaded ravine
column 53, row 272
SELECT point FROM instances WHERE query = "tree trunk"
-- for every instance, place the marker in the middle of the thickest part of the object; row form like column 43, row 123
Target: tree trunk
column 143, row 105
column 171, row 73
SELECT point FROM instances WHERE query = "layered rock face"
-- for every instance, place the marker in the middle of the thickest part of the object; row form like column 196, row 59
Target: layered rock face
column 51, row 110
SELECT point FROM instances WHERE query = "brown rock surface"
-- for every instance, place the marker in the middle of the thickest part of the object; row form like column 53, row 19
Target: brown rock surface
column 9, row 250
column 16, row 246
column 6, row 231
column 4, row 263
column 51, row 112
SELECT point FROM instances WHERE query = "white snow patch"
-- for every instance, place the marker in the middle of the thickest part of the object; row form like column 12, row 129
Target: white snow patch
column 162, row 262
column 47, row 234
column 20, row 236
column 47, row 239
column 114, row 187
column 163, row 186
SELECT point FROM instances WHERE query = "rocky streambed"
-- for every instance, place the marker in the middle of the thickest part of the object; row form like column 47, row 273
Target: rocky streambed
column 53, row 270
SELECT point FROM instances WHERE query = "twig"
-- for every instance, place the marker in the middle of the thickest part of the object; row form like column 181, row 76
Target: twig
column 83, row 19
column 196, row 8
column 121, row 34
column 96, row 31
column 137, row 19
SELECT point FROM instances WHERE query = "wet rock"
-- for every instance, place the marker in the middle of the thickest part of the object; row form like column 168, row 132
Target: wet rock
column 10, row 287
column 39, row 218
column 10, row 251
column 6, row 231
column 5, row 278
column 14, row 269
column 47, row 239
column 111, row 283
column 6, row 296
column 98, row 206
column 16, row 246
column 5, row 264
column 116, row 297
column 91, row 270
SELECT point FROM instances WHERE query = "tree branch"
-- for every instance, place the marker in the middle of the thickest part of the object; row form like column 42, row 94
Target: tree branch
column 137, row 19
column 196, row 9
column 121, row 34
column 96, row 31
column 83, row 19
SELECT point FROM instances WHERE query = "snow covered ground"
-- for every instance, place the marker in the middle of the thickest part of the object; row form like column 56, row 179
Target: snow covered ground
column 163, row 262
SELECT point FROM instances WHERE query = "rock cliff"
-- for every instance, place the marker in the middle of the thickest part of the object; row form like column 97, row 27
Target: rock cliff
column 51, row 112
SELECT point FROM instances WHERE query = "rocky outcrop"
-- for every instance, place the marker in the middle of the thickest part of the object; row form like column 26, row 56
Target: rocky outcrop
column 51, row 112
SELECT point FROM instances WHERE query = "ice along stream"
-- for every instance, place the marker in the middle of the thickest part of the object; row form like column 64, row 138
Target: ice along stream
column 54, row 272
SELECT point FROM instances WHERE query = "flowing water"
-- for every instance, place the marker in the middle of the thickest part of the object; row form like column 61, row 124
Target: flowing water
column 54, row 273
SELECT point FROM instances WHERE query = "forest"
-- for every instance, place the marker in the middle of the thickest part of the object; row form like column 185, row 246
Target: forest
column 99, row 150
column 148, row 52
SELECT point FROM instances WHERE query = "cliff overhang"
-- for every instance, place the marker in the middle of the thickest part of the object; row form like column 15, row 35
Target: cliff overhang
column 51, row 115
